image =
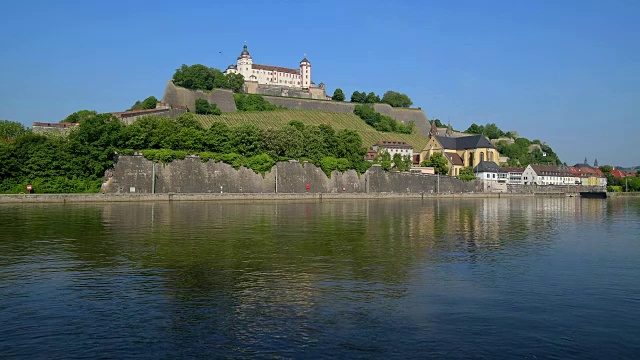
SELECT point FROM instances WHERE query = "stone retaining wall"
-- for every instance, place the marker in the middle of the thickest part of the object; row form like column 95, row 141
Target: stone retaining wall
column 135, row 174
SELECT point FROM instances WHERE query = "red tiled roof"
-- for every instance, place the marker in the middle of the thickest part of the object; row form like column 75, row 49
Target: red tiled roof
column 512, row 170
column 553, row 170
column 617, row 174
column 454, row 158
column 394, row 144
column 275, row 68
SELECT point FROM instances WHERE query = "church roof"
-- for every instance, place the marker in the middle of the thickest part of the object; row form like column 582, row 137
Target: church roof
column 305, row 60
column 275, row 68
column 464, row 142
column 486, row 166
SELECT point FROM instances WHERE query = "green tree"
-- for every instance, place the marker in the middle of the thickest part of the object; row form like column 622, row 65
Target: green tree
column 396, row 99
column 204, row 78
column 328, row 164
column 253, row 102
column 475, row 129
column 439, row 163
column 245, row 140
column 203, row 107
column 385, row 161
column 350, row 146
column 296, row 124
column 195, row 76
column 329, row 139
column 492, row 131
column 466, row 173
column 136, row 106
column 235, row 82
column 10, row 130
column 314, row 147
column 402, row 163
column 358, row 97
column 372, row 98
column 338, row 95
column 216, row 137
column 150, row 103
column 438, row 123
column 78, row 116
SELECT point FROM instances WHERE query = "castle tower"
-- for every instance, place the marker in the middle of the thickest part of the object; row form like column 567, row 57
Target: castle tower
column 245, row 63
column 595, row 163
column 305, row 72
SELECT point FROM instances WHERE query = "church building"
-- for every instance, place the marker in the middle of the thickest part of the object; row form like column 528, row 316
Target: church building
column 272, row 75
column 460, row 151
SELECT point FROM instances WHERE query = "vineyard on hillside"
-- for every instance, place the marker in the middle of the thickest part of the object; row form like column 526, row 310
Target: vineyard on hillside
column 278, row 119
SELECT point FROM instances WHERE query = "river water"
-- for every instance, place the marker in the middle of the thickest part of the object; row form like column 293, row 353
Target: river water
column 529, row 278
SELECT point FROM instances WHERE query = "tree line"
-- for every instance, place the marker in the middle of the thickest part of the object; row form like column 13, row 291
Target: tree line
column 382, row 122
column 627, row 183
column 77, row 162
column 390, row 97
column 520, row 152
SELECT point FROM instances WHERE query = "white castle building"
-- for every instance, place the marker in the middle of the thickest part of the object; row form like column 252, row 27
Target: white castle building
column 272, row 75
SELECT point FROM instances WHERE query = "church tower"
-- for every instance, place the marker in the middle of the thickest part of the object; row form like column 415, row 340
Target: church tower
column 245, row 63
column 305, row 73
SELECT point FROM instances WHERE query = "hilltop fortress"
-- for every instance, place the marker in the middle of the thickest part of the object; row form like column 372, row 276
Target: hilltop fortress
column 276, row 80
column 286, row 87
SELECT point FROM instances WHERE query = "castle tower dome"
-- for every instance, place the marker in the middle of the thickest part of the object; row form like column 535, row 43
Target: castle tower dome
column 244, row 53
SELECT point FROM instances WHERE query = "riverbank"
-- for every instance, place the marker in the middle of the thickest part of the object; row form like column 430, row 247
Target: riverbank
column 95, row 198
column 623, row 194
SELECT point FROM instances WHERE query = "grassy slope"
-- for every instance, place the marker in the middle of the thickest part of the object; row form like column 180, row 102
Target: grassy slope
column 277, row 119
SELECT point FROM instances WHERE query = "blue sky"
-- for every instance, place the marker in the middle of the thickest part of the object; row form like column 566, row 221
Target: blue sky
column 564, row 72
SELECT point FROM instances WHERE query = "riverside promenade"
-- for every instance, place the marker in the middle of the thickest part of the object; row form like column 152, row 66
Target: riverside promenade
column 97, row 198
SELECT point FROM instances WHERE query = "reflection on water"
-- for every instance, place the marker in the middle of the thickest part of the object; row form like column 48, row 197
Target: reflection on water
column 531, row 277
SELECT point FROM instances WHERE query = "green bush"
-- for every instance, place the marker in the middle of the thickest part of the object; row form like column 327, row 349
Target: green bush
column 164, row 156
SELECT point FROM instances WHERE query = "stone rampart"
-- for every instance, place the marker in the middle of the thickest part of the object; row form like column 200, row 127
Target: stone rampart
column 252, row 87
column 135, row 174
column 309, row 104
column 405, row 116
column 129, row 117
column 288, row 98
column 180, row 97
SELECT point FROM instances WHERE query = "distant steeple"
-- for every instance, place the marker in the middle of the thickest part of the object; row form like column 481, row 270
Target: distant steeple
column 449, row 129
column 585, row 161
column 595, row 163
column 434, row 129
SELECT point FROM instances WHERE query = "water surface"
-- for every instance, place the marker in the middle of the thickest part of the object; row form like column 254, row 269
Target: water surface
column 474, row 278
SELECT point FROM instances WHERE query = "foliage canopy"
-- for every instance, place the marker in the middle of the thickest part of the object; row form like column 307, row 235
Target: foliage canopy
column 201, row 77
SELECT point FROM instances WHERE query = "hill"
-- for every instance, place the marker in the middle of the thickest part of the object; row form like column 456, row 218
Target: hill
column 277, row 119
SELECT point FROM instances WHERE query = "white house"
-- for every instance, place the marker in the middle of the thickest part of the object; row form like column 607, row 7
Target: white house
column 487, row 171
column 394, row 147
column 547, row 175
column 512, row 176
column 272, row 75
